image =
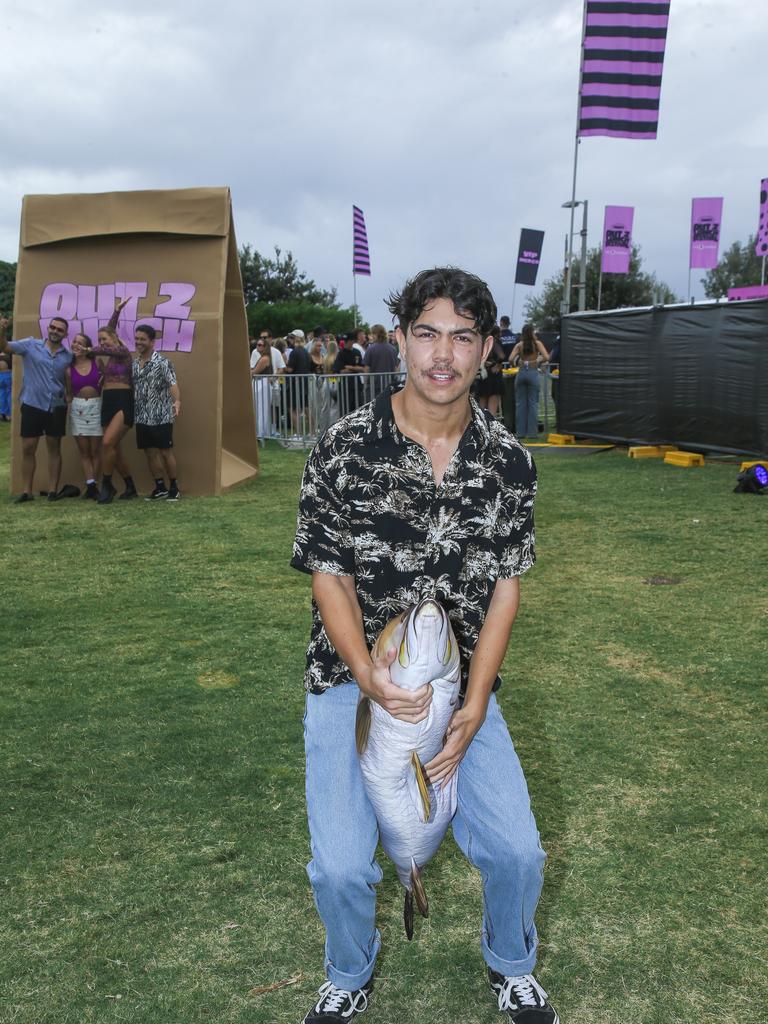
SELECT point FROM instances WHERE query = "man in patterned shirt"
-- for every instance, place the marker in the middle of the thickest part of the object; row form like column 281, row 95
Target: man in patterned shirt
column 157, row 403
column 419, row 494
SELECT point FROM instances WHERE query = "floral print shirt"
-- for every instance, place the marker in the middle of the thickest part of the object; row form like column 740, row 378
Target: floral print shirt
column 370, row 508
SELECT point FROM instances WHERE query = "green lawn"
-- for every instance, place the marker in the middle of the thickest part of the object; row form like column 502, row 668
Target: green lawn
column 153, row 828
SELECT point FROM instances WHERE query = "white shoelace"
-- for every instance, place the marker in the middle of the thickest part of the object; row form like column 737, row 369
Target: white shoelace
column 521, row 991
column 332, row 999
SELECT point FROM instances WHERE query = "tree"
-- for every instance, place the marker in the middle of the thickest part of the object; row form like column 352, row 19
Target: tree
column 279, row 318
column 637, row 288
column 739, row 268
column 278, row 279
column 7, row 287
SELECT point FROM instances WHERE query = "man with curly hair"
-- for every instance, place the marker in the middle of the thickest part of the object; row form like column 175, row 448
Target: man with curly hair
column 420, row 494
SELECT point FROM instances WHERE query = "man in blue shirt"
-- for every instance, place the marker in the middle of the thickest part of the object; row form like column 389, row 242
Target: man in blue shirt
column 43, row 401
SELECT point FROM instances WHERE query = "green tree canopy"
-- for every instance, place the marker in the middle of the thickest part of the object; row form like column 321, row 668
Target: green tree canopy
column 637, row 288
column 278, row 279
column 279, row 318
column 7, row 287
column 738, row 268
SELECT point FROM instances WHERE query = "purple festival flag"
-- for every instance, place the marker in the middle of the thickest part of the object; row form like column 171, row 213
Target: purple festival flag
column 361, row 260
column 621, row 64
column 761, row 249
column 706, row 217
column 617, row 239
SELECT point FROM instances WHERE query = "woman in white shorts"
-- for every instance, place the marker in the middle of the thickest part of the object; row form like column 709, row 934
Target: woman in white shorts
column 84, row 382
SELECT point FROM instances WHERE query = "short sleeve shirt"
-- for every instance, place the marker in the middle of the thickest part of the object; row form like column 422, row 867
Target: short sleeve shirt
column 380, row 357
column 370, row 508
column 44, row 373
column 152, row 390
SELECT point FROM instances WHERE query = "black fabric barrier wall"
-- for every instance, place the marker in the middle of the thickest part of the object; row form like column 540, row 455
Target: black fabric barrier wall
column 688, row 375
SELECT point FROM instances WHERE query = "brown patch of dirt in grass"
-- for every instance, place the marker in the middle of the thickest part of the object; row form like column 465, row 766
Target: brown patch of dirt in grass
column 217, row 680
column 636, row 664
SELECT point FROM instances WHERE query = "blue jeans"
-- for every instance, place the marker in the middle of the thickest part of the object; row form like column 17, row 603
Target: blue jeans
column 527, row 402
column 493, row 826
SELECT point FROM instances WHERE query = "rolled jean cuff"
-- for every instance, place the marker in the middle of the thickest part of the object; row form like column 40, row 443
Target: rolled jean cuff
column 352, row 982
column 512, row 968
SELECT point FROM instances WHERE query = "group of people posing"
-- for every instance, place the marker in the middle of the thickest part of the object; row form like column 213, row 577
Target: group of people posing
column 96, row 393
column 338, row 385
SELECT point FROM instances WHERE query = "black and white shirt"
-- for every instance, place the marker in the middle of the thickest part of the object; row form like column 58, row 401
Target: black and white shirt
column 152, row 390
column 370, row 508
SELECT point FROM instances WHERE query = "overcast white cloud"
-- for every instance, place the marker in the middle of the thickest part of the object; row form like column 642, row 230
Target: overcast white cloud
column 451, row 124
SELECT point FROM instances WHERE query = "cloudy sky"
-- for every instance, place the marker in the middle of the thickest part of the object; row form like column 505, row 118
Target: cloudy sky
column 451, row 124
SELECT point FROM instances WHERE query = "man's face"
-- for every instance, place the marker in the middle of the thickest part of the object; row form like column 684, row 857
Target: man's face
column 265, row 336
column 57, row 332
column 442, row 351
column 143, row 342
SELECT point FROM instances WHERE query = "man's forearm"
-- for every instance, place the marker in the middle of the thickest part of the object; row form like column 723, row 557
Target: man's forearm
column 343, row 621
column 492, row 645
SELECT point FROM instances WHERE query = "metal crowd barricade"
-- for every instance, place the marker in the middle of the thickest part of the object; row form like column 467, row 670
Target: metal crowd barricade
column 295, row 409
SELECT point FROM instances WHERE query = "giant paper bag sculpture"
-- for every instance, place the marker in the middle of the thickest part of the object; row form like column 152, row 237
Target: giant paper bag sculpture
column 173, row 253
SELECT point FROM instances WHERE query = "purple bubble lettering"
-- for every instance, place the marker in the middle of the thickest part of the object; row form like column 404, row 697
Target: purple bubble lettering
column 58, row 299
column 133, row 291
column 178, row 335
column 175, row 307
column 89, row 307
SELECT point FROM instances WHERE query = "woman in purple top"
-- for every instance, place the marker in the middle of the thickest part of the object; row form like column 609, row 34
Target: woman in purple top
column 83, row 383
column 115, row 362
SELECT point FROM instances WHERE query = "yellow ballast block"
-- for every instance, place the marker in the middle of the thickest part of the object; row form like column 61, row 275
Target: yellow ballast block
column 684, row 459
column 748, row 465
column 645, row 451
column 561, row 439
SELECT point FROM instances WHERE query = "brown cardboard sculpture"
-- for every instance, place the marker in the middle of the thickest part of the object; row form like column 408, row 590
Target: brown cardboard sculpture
column 173, row 253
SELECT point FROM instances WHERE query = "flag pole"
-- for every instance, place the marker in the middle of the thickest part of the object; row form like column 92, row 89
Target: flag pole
column 567, row 296
column 354, row 299
column 600, row 283
column 762, row 275
column 514, row 293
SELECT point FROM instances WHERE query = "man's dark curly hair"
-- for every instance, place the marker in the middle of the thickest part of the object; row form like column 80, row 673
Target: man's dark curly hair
column 470, row 296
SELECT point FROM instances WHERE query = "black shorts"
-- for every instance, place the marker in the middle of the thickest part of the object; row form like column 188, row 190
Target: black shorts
column 159, row 436
column 36, row 422
column 114, row 400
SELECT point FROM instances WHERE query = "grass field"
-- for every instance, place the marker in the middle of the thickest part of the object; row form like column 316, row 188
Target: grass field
column 153, row 828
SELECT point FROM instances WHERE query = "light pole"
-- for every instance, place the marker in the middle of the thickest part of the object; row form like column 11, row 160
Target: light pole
column 566, row 304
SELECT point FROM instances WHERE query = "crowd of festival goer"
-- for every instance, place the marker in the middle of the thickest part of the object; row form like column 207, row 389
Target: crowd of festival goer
column 332, row 375
column 301, row 385
column 95, row 393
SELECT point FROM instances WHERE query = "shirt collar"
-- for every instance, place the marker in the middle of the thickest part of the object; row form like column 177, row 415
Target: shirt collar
column 382, row 421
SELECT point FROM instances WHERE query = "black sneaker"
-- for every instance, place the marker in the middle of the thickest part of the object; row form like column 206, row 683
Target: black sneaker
column 25, row 496
column 55, row 495
column 128, row 494
column 523, row 999
column 106, row 494
column 157, row 494
column 174, row 494
column 337, row 1006
column 91, row 491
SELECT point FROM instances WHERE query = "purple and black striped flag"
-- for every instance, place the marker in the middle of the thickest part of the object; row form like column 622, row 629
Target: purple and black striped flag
column 621, row 64
column 361, row 260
